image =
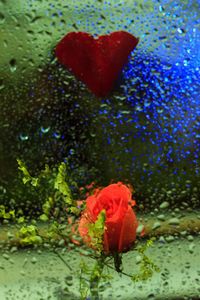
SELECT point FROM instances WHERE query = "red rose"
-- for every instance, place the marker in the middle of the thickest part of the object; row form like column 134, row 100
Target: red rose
column 120, row 222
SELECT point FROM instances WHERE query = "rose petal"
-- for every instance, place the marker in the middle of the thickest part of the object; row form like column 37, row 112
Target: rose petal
column 112, row 236
column 128, row 230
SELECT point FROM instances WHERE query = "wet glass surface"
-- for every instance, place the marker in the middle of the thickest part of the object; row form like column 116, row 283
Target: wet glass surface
column 145, row 133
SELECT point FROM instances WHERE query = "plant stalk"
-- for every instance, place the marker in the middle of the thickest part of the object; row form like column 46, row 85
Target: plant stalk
column 96, row 277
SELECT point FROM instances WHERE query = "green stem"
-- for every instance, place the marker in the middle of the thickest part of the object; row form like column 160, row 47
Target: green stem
column 58, row 254
column 106, row 263
column 121, row 272
column 117, row 262
column 96, row 277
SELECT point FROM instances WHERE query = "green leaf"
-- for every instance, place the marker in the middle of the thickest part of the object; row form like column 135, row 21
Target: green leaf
column 29, row 235
column 43, row 218
column 47, row 206
column 96, row 231
column 74, row 210
column 31, row 240
column 27, row 231
column 147, row 266
column 61, row 185
column 21, row 220
column 34, row 181
column 27, row 177
column 6, row 215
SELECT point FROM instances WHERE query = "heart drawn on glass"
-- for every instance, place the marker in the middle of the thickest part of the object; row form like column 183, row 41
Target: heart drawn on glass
column 97, row 62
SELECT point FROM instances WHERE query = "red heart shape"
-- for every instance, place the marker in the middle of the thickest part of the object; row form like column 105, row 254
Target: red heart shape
column 96, row 61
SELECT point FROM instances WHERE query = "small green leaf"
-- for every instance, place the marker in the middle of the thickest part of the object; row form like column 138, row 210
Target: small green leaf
column 61, row 184
column 27, row 177
column 43, row 218
column 29, row 235
column 6, row 215
column 146, row 265
column 31, row 240
column 74, row 210
column 21, row 220
column 96, row 231
column 47, row 206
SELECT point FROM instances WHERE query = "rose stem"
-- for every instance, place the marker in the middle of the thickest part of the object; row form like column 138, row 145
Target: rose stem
column 96, row 277
column 117, row 261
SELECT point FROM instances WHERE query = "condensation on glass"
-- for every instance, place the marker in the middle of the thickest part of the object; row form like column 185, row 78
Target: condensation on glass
column 147, row 133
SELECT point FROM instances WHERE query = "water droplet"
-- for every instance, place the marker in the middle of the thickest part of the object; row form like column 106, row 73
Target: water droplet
column 183, row 233
column 138, row 108
column 1, row 85
column 190, row 238
column 71, row 151
column 161, row 217
column 191, row 248
column 140, row 228
column 22, row 272
column 56, row 135
column 162, row 240
column 164, row 204
column 24, row 262
column 161, row 8
column 92, row 134
column 181, row 30
column 174, row 221
column 23, row 137
column 13, row 65
column 13, row 249
column 2, row 18
column 138, row 259
column 45, row 129
column 156, row 225
column 169, row 238
column 160, row 110
column 6, row 256
column 147, row 103
column 34, row 260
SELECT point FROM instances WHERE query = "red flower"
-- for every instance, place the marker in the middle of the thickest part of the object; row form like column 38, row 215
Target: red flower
column 120, row 223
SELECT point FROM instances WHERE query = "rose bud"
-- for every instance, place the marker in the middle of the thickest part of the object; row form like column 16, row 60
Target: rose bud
column 120, row 219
